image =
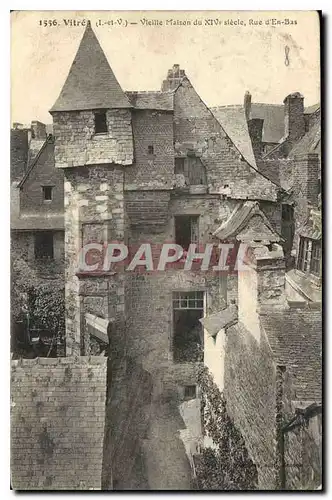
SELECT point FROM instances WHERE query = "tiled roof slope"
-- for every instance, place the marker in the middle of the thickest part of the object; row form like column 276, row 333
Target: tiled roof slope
column 151, row 100
column 91, row 83
column 57, row 423
column 295, row 337
column 234, row 123
column 222, row 319
column 310, row 142
column 239, row 220
column 272, row 114
column 38, row 222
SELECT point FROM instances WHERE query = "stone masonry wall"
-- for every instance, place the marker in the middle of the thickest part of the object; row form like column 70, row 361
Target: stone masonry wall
column 77, row 144
column 195, row 128
column 152, row 171
column 251, row 398
column 57, row 423
column 94, row 213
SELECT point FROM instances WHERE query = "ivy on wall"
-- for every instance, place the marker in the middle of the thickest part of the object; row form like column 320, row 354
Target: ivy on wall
column 226, row 466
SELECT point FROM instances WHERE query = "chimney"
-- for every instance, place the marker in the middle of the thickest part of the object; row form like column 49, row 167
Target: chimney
column 38, row 130
column 255, row 126
column 174, row 77
column 247, row 105
column 294, row 116
column 261, row 283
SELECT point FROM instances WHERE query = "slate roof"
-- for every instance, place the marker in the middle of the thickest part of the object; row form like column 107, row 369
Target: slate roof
column 312, row 109
column 309, row 143
column 213, row 323
column 304, row 286
column 295, row 337
column 239, row 220
column 38, row 222
column 234, row 122
column 91, row 83
column 155, row 100
column 272, row 114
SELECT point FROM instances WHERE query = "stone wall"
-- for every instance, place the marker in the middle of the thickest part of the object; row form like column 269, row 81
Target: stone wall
column 156, row 170
column 57, row 423
column 94, row 213
column 196, row 129
column 250, row 393
column 78, row 145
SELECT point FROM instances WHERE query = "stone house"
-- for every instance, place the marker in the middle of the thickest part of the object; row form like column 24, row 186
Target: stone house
column 136, row 167
column 37, row 228
column 146, row 167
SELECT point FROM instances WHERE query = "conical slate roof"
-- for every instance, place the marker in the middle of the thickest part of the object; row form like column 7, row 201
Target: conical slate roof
column 91, row 83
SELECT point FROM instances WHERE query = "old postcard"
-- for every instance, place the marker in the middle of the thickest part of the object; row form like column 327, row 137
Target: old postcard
column 166, row 322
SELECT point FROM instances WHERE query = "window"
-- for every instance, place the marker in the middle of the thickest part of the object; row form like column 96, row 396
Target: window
column 44, row 245
column 196, row 172
column 100, row 122
column 309, row 259
column 188, row 308
column 316, row 255
column 190, row 392
column 186, row 230
column 47, row 193
column 150, row 150
column 303, row 260
column 179, row 166
column 192, row 168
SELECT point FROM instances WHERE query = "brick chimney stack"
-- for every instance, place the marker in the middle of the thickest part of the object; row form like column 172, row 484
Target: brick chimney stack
column 294, row 116
column 174, row 77
column 255, row 126
column 247, row 105
column 38, row 130
column 261, row 283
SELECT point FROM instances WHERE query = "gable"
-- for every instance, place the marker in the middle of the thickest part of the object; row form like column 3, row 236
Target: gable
column 42, row 172
column 247, row 223
column 197, row 130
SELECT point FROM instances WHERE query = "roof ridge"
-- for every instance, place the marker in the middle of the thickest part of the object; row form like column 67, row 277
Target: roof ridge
column 49, row 139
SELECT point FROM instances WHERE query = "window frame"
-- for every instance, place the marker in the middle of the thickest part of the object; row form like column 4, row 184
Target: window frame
column 176, row 295
column 44, row 188
column 102, row 130
column 309, row 256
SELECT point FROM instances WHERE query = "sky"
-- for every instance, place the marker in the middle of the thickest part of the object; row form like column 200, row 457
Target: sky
column 227, row 54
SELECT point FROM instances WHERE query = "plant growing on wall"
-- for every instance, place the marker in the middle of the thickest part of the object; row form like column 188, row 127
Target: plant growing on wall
column 227, row 465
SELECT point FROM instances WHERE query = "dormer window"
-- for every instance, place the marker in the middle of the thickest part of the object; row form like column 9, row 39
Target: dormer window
column 100, row 122
column 150, row 150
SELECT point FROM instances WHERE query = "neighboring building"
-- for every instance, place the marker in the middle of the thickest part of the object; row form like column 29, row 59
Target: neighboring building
column 266, row 358
column 37, row 230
